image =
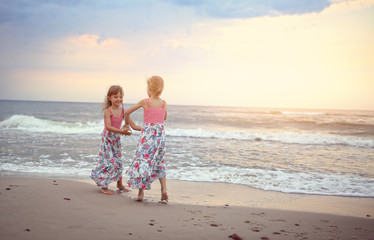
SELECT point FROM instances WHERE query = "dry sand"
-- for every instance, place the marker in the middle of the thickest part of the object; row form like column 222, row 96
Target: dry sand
column 69, row 209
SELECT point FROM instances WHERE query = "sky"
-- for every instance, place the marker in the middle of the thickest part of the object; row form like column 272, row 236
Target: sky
column 249, row 53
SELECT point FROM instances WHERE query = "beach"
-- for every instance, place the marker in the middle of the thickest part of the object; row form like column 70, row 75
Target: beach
column 54, row 208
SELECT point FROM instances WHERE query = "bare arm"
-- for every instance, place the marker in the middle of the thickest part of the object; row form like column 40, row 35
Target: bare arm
column 132, row 109
column 166, row 111
column 109, row 126
column 134, row 126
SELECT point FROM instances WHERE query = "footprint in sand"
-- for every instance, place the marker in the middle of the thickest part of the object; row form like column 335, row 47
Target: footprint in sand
column 258, row 214
column 277, row 220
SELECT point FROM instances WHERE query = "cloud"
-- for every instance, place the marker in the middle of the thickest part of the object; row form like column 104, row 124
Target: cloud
column 87, row 40
column 110, row 19
column 253, row 8
column 40, row 21
column 57, row 29
column 349, row 5
column 78, row 12
column 48, row 44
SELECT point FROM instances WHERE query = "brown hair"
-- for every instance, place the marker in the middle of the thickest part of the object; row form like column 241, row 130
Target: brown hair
column 156, row 85
column 113, row 90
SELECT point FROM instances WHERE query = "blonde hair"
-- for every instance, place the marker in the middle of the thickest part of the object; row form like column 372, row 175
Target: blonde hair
column 156, row 85
column 113, row 90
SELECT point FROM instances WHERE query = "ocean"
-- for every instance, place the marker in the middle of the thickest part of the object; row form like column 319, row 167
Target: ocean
column 307, row 151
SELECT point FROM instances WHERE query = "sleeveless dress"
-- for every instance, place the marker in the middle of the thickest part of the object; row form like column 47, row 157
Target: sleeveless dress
column 148, row 164
column 109, row 168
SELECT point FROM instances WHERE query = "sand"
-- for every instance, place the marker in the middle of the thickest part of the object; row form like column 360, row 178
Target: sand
column 33, row 208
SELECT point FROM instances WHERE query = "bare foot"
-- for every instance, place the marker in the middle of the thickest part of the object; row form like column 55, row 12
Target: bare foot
column 140, row 195
column 106, row 191
column 121, row 187
column 164, row 196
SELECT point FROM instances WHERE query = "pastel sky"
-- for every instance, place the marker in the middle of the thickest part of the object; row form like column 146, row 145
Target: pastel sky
column 255, row 53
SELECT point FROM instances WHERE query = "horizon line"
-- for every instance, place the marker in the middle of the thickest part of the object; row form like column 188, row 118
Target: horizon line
column 298, row 108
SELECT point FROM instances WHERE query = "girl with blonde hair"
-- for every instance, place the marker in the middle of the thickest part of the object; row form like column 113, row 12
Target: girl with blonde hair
column 148, row 164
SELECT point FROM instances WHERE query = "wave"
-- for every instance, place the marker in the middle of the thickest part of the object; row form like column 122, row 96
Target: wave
column 280, row 180
column 297, row 113
column 333, row 184
column 32, row 124
column 282, row 137
column 334, row 124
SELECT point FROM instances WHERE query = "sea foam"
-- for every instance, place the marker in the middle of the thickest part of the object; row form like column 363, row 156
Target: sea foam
column 33, row 124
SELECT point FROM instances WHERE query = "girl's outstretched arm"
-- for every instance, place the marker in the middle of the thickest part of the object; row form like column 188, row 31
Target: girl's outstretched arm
column 134, row 126
column 132, row 109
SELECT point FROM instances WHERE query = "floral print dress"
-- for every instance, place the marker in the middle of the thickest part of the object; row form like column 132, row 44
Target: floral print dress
column 109, row 167
column 148, row 164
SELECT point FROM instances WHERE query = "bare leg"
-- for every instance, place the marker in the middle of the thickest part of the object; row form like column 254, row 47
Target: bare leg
column 121, row 187
column 164, row 191
column 140, row 195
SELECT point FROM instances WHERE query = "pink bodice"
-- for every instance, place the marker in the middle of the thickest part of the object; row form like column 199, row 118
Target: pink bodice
column 115, row 121
column 154, row 115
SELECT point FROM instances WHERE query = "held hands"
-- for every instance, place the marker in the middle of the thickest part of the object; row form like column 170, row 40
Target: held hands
column 126, row 130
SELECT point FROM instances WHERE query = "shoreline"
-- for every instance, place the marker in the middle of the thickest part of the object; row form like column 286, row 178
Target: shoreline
column 221, row 194
column 225, row 194
column 54, row 208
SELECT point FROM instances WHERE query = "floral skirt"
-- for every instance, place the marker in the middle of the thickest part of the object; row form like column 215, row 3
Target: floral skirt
column 109, row 168
column 148, row 164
